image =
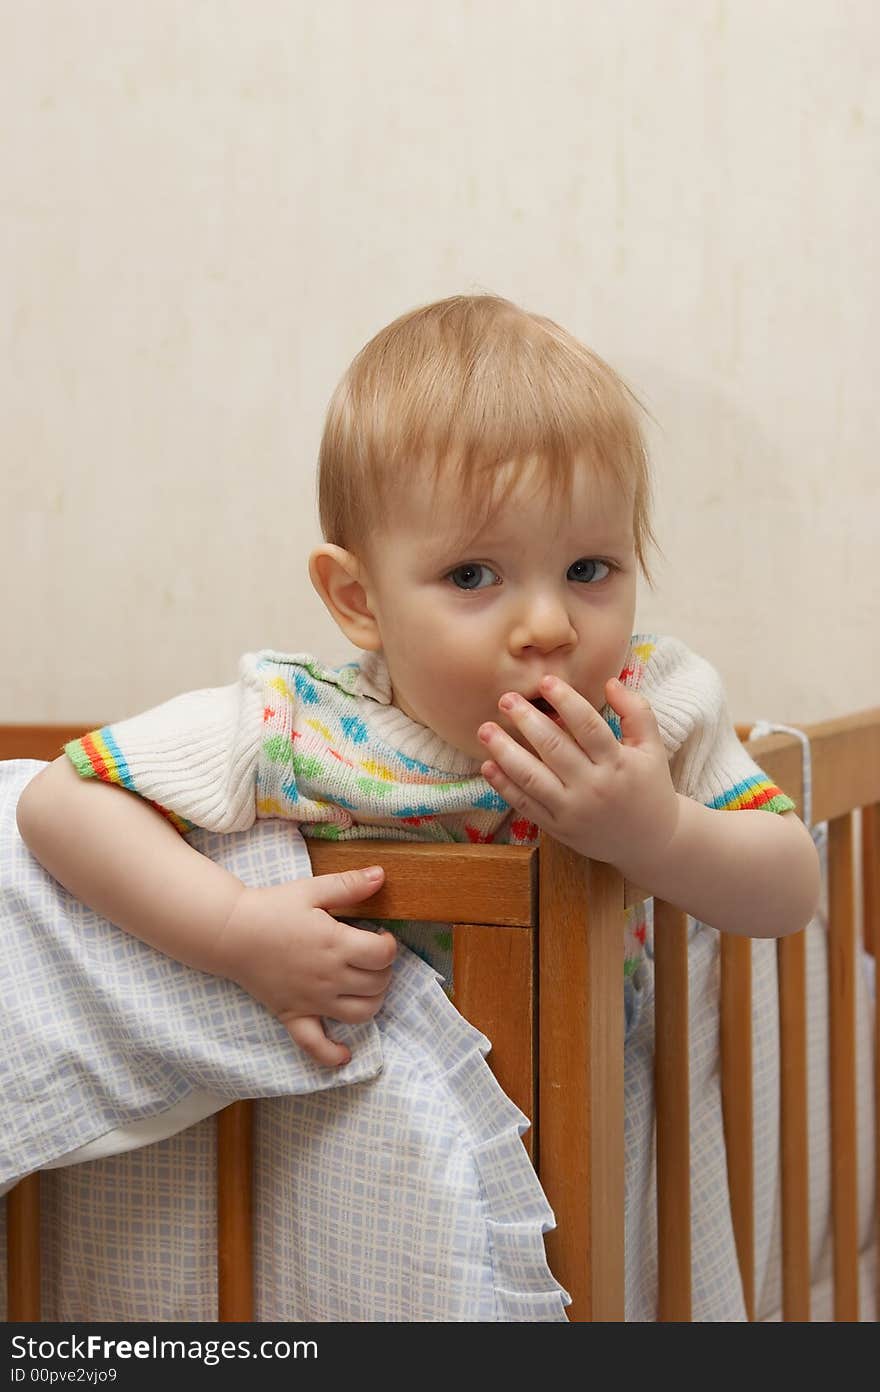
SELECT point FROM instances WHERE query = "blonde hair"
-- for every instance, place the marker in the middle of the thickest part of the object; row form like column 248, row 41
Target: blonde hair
column 464, row 386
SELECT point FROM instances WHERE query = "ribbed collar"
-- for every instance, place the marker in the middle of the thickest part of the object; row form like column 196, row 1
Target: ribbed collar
column 372, row 687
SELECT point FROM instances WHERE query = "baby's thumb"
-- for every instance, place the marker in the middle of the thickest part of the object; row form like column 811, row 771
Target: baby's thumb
column 308, row 1032
column 638, row 724
column 348, row 887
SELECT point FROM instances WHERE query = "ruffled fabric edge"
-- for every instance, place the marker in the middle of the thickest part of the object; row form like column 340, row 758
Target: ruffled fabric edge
column 515, row 1206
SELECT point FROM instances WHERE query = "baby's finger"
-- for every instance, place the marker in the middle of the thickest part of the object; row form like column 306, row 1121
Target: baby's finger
column 308, row 1032
column 354, row 1010
column 347, row 887
column 368, row 950
column 517, row 767
column 357, row 982
column 514, row 795
column 582, row 721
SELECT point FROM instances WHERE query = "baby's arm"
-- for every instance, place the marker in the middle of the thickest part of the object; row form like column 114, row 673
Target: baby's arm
column 113, row 852
column 743, row 872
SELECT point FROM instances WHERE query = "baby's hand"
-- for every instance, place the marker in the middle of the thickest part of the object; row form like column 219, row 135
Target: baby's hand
column 609, row 801
column 281, row 946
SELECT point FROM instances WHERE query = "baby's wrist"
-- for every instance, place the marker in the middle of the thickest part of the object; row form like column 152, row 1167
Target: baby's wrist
column 229, row 949
column 685, row 859
column 651, row 857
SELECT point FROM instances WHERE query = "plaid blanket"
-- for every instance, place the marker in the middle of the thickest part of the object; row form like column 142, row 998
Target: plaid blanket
column 424, row 1199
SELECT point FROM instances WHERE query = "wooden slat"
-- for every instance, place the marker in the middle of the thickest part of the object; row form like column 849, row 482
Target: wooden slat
column 447, row 881
column 737, row 1102
column 672, row 1094
column 235, row 1266
column 23, row 1250
column 842, row 976
column 440, row 881
column 791, row 956
column 871, row 920
column 580, row 1077
column 493, row 981
column 845, row 755
column 871, row 878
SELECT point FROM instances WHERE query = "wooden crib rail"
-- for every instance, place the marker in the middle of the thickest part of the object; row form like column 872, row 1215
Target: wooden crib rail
column 845, row 761
column 541, row 925
column 845, row 758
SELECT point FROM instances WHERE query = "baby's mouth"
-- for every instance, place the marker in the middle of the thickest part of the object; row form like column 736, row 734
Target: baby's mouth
column 543, row 705
column 546, row 709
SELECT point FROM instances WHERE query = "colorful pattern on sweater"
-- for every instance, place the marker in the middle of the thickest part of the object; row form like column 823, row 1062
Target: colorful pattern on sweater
column 754, row 794
column 320, row 766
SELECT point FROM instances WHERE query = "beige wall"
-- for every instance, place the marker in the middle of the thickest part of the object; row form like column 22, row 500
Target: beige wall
column 208, row 207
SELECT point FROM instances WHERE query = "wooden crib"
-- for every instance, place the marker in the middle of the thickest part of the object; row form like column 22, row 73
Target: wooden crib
column 536, row 952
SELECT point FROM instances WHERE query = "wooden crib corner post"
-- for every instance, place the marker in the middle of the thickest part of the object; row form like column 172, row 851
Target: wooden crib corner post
column 580, row 1077
column 494, row 976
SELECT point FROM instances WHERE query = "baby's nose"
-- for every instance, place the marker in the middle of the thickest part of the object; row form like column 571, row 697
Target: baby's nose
column 544, row 623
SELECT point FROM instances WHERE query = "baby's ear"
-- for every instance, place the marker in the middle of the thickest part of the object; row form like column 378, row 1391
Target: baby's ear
column 342, row 583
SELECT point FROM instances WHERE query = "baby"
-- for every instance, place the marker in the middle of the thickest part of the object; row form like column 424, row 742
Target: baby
column 484, row 499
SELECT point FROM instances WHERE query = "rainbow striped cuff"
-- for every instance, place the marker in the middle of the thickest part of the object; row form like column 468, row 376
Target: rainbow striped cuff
column 756, row 794
column 97, row 755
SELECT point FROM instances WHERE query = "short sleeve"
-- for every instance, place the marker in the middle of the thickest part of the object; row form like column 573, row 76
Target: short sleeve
column 708, row 761
column 193, row 758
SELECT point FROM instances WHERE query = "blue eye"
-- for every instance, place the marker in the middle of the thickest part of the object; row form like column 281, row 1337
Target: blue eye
column 588, row 570
column 470, row 570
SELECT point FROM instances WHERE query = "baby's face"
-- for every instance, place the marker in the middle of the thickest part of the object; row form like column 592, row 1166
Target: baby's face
column 542, row 589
